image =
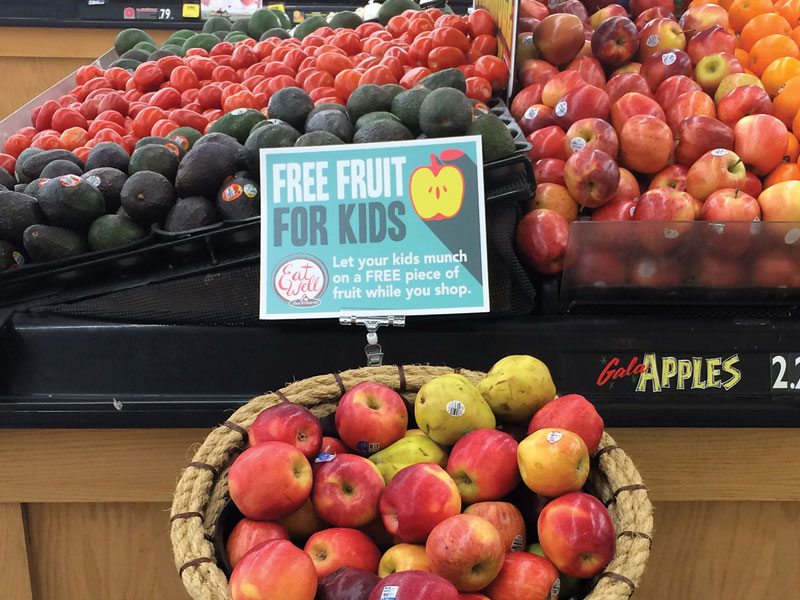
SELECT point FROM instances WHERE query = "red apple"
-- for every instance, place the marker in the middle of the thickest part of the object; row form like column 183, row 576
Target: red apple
column 414, row 585
column 577, row 535
column 303, row 522
column 628, row 186
column 775, row 268
column 715, row 170
column 615, row 41
column 571, row 7
column 572, row 412
column 753, row 185
column 276, row 569
column 712, row 40
column 621, row 84
column 619, row 209
column 371, row 417
column 538, row 116
column 634, row 67
column 760, row 141
column 347, row 490
column 259, row 471
column 673, row 88
column 532, row 9
column 547, row 143
column 659, row 35
column 598, row 268
column 655, row 271
column 555, row 197
column 743, row 101
column 698, row 135
column 691, row 104
column 332, row 549
column 781, row 202
column 559, row 38
column 655, row 12
column 640, row 6
column 660, row 66
column 332, row 445
column 558, row 85
column 482, row 465
column 607, row 12
column 403, row 557
column 719, row 271
column 247, row 534
column 673, row 176
column 527, row 96
column 590, row 70
column 541, row 240
column 712, row 69
column 592, row 177
column 535, row 71
column 702, row 16
column 347, row 583
column 734, row 80
column 664, row 204
column 289, row 423
column 506, row 518
column 525, row 575
column 582, row 102
column 731, row 205
column 416, row 500
column 549, row 170
column 632, row 104
column 553, row 462
column 591, row 134
column 645, row 144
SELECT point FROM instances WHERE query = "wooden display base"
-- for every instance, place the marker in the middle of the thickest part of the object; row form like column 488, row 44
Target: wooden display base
column 85, row 513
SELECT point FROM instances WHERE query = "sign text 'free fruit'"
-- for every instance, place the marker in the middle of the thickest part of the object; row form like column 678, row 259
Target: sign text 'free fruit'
column 373, row 229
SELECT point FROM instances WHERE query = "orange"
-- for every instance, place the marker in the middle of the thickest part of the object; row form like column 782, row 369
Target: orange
column 726, row 4
column 796, row 124
column 741, row 11
column 795, row 35
column 783, row 172
column 792, row 148
column 789, row 10
column 761, row 26
column 778, row 73
column 743, row 56
column 770, row 48
column 787, row 103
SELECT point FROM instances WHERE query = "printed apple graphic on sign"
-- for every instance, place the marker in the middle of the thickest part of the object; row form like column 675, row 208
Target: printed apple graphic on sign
column 437, row 191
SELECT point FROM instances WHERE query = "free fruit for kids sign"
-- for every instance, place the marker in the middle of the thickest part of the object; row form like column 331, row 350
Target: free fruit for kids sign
column 373, row 229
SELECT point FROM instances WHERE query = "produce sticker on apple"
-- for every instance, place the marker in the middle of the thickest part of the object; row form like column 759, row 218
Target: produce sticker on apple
column 373, row 229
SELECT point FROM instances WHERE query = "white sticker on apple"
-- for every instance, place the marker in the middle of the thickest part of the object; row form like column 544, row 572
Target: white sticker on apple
column 555, row 590
column 669, row 58
column 531, row 113
column 719, row 152
column 652, row 40
column 517, row 544
column 561, row 108
column 577, row 144
column 455, row 408
column 389, row 592
column 554, row 436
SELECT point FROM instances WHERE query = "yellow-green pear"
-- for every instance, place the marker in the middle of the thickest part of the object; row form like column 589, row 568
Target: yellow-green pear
column 448, row 407
column 410, row 451
column 413, row 432
column 389, row 470
column 517, row 386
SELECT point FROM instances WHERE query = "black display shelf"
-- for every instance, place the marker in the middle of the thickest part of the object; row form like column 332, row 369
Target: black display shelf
column 60, row 372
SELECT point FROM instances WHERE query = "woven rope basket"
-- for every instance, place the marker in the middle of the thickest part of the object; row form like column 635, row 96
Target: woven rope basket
column 202, row 490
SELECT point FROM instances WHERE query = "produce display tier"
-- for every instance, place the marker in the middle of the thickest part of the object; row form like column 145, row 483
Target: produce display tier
column 60, row 372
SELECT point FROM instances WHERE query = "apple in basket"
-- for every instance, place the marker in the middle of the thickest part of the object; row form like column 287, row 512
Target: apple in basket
column 247, row 534
column 371, row 417
column 346, row 491
column 506, row 518
column 276, row 569
column 290, row 423
column 574, row 413
column 414, row 585
column 483, row 465
column 331, row 549
column 403, row 557
column 525, row 575
column 553, row 462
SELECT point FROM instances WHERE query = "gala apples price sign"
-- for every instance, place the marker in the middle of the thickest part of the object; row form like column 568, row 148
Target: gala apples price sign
column 373, row 229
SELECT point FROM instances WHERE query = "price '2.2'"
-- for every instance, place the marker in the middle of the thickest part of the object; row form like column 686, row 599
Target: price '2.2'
column 786, row 372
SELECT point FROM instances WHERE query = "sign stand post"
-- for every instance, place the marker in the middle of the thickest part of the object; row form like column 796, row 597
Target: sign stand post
column 373, row 349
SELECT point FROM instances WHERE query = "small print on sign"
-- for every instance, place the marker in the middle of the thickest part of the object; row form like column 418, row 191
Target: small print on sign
column 455, row 408
column 554, row 436
column 390, row 592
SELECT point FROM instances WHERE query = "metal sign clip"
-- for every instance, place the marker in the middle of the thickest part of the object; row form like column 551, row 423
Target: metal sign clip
column 373, row 349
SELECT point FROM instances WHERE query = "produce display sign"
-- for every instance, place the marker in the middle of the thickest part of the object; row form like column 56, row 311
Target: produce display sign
column 505, row 13
column 373, row 229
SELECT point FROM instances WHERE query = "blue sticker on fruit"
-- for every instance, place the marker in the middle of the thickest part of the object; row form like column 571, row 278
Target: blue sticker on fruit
column 368, row 447
column 324, row 457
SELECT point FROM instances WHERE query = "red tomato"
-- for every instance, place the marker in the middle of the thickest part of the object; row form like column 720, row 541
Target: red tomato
column 82, row 153
column 368, row 63
column 264, row 49
column 90, row 109
column 303, row 74
column 318, row 79
column 308, row 63
column 324, row 32
column 419, row 50
column 394, row 66
column 188, row 118
column 483, row 45
column 262, row 89
column 210, row 97
column 229, row 89
column 129, row 143
column 202, row 67
column 86, row 73
column 333, row 63
column 321, row 92
column 280, row 53
column 494, row 70
column 99, row 94
column 16, row 143
column 28, row 132
column 167, row 99
column 379, row 75
column 46, row 142
column 413, row 76
column 74, row 137
column 135, row 108
column 380, row 49
column 293, row 58
column 280, row 82
column 222, row 73
column 188, row 97
column 148, row 76
column 346, row 81
column 98, row 125
column 132, row 95
column 329, row 100
column 480, row 22
column 243, row 57
column 117, row 77
column 312, row 41
column 168, row 64
column 66, row 118
column 197, row 52
column 44, row 116
column 45, row 132
column 114, row 102
column 212, row 115
column 113, row 116
column 222, row 49
column 400, row 54
column 445, row 57
column 142, row 125
column 384, row 36
column 67, row 101
column 452, row 21
column 256, row 69
column 184, row 78
column 397, row 26
column 347, row 40
column 163, row 127
column 249, row 42
column 251, row 82
column 365, row 30
column 325, row 48
column 479, row 88
column 468, row 70
column 107, row 135
column 221, row 61
column 449, row 36
column 417, row 27
column 433, row 13
column 194, row 107
column 276, row 68
column 243, row 99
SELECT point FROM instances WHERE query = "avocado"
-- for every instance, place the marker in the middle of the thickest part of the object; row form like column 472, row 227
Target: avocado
column 496, row 139
column 10, row 257
column 19, row 177
column 148, row 47
column 34, row 187
column 46, row 242
column 32, row 167
column 18, row 212
column 283, row 19
column 366, row 99
column 382, row 131
column 204, row 169
column 147, row 197
column 173, row 49
column 332, row 121
column 216, row 23
column 69, row 201
column 291, row 104
column 238, row 199
column 327, row 106
column 452, row 78
column 128, row 38
column 109, row 181
column 277, row 32
column 7, row 180
column 125, row 63
column 153, row 157
column 236, row 36
column 237, row 123
column 262, row 20
column 392, row 90
column 345, row 19
column 20, row 187
column 181, row 35
column 114, row 231
column 445, row 112
column 231, row 146
column 206, row 41
column 393, row 8
column 406, row 107
column 309, row 26
column 241, row 26
column 376, row 116
column 136, row 55
column 190, row 213
column 271, row 135
column 318, row 138
column 60, row 167
column 161, row 53
column 108, row 154
column 152, row 140
column 184, row 137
